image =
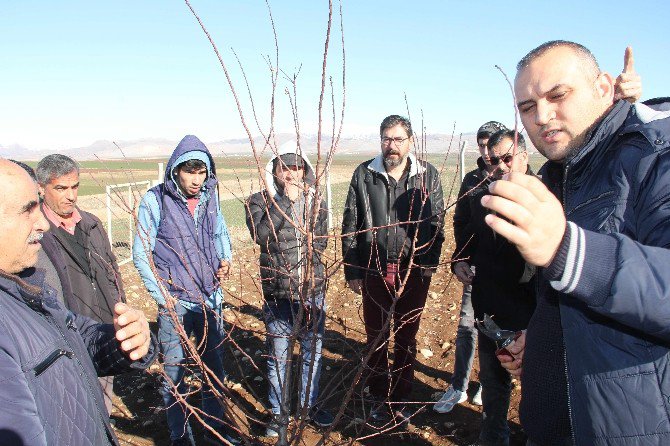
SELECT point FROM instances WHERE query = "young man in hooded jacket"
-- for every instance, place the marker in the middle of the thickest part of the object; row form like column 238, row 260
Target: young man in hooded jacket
column 182, row 251
column 284, row 221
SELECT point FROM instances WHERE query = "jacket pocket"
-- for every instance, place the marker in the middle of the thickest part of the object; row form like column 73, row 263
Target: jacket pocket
column 51, row 359
column 596, row 214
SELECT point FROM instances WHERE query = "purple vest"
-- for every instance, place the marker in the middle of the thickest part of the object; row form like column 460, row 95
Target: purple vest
column 184, row 254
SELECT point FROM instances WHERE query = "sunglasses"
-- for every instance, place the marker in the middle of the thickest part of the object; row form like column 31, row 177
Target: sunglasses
column 507, row 158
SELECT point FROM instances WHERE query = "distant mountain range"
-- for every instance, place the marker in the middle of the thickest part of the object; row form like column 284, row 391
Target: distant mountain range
column 161, row 147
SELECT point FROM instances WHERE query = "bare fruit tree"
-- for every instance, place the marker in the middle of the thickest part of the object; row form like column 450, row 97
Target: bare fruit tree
column 294, row 251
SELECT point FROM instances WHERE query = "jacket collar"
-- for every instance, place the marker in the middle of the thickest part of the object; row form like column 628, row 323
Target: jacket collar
column 377, row 165
column 650, row 122
column 28, row 289
column 623, row 119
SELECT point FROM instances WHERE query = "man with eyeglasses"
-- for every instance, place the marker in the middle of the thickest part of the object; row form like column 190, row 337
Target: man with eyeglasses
column 392, row 235
column 466, row 335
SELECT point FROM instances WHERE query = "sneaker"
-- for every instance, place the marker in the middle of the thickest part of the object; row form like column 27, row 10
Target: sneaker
column 477, row 397
column 272, row 430
column 449, row 399
column 230, row 437
column 320, row 417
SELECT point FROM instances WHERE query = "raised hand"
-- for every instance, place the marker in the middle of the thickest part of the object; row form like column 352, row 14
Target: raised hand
column 628, row 85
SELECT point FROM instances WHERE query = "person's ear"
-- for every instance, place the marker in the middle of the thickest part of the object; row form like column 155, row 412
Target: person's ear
column 605, row 86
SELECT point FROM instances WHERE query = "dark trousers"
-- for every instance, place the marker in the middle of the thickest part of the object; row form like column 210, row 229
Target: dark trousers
column 378, row 297
column 496, row 388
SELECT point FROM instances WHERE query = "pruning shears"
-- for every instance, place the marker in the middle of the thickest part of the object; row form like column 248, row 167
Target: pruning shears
column 502, row 338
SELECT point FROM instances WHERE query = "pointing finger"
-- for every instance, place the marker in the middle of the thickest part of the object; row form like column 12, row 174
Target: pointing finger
column 628, row 60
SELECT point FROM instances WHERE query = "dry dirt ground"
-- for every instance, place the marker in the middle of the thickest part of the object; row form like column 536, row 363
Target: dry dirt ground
column 140, row 420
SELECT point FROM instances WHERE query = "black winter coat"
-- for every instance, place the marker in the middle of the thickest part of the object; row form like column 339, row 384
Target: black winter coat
column 501, row 286
column 283, row 257
column 49, row 362
column 366, row 217
column 104, row 278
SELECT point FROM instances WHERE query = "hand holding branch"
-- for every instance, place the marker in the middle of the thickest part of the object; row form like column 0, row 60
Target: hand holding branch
column 132, row 331
column 223, row 273
column 535, row 220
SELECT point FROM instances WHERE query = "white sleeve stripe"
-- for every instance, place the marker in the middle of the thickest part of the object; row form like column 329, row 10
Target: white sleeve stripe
column 573, row 263
column 579, row 261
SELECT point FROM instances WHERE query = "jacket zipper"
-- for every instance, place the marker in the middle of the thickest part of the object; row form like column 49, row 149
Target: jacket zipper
column 70, row 325
column 49, row 360
column 565, row 351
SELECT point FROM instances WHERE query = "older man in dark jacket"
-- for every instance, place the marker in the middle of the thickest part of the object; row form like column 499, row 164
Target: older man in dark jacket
column 49, row 356
column 79, row 238
column 596, row 356
column 290, row 226
column 392, row 234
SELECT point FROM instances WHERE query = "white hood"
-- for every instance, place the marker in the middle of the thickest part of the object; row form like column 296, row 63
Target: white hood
column 290, row 147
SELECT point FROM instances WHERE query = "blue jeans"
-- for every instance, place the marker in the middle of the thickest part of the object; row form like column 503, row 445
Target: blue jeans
column 279, row 316
column 496, row 389
column 466, row 341
column 172, row 353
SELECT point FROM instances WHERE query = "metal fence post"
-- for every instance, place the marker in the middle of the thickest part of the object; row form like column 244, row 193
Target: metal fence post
column 461, row 160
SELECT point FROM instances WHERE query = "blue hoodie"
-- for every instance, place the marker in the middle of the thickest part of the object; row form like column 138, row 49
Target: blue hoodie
column 202, row 240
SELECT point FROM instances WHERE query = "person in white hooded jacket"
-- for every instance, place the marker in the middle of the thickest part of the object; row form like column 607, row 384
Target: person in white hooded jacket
column 291, row 230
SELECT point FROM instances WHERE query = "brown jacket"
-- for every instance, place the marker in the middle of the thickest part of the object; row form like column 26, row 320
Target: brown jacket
column 92, row 295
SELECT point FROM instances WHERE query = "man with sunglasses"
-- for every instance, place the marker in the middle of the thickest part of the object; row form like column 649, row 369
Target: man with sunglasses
column 389, row 260
column 466, row 335
column 500, row 287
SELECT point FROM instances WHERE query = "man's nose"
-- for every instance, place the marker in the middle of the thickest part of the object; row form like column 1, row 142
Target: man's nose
column 41, row 224
column 544, row 113
column 70, row 195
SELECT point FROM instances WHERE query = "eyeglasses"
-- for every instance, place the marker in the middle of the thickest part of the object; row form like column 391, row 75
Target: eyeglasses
column 506, row 158
column 397, row 140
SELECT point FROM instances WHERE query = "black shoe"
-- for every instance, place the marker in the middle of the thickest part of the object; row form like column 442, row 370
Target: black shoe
column 320, row 417
column 229, row 436
column 183, row 441
column 379, row 414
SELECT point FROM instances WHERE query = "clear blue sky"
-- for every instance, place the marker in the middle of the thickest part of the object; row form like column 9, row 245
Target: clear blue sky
column 72, row 72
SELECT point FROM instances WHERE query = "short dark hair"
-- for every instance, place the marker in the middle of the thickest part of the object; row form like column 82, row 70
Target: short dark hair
column 27, row 168
column 489, row 128
column 392, row 121
column 191, row 166
column 55, row 166
column 498, row 136
column 590, row 62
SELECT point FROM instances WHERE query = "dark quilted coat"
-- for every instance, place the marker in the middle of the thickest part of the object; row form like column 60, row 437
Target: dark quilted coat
column 49, row 362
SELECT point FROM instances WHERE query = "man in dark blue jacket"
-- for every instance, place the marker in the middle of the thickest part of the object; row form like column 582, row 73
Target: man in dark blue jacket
column 50, row 357
column 596, row 355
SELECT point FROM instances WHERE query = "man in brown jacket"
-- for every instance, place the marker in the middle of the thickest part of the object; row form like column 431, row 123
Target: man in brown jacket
column 79, row 238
